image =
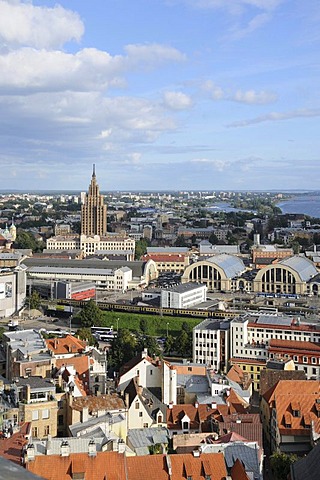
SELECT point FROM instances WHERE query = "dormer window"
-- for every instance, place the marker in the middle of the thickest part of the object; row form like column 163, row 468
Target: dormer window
column 296, row 413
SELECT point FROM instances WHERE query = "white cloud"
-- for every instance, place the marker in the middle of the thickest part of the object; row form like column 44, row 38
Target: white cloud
column 251, row 97
column 88, row 69
column 38, row 27
column 152, row 54
column 216, row 92
column 177, row 100
column 233, row 6
column 254, row 97
column 277, row 116
column 217, row 164
column 254, row 24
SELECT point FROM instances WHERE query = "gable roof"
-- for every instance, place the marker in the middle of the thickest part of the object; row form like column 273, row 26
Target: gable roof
column 269, row 378
column 115, row 466
column 102, row 402
column 65, row 345
column 238, row 471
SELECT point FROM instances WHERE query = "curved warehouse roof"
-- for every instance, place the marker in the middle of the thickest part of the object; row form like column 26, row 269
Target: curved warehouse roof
column 303, row 266
column 233, row 266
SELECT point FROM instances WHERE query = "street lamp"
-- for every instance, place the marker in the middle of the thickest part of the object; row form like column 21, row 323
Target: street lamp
column 167, row 328
column 117, row 324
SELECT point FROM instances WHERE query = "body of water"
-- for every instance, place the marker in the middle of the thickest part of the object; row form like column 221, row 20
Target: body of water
column 307, row 204
column 226, row 207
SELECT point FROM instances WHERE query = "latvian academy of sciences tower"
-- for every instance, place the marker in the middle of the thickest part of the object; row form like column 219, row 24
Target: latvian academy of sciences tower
column 94, row 211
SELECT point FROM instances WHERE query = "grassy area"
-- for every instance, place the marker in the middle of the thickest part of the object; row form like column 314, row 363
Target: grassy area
column 156, row 325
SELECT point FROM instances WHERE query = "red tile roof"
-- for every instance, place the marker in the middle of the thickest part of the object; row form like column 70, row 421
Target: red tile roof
column 66, row 345
column 114, row 466
column 10, row 448
column 238, row 471
column 81, row 366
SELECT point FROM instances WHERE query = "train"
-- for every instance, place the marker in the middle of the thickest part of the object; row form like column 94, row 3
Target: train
column 150, row 310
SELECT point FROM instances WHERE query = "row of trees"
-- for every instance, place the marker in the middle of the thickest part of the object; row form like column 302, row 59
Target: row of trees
column 127, row 344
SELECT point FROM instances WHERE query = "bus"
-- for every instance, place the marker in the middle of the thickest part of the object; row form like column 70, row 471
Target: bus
column 103, row 334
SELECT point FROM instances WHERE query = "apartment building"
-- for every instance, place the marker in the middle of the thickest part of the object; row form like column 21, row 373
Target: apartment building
column 185, row 295
column 256, row 338
column 211, row 343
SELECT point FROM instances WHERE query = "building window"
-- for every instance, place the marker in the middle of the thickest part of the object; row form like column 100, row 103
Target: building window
column 305, row 359
column 45, row 413
column 47, row 430
column 140, row 414
column 151, row 372
column 313, row 360
column 137, row 405
column 145, row 425
column 35, row 432
column 35, row 414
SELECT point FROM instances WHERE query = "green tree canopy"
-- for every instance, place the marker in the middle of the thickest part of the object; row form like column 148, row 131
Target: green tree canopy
column 141, row 247
column 25, row 240
column 169, row 345
column 91, row 315
column 180, row 241
column 151, row 344
column 123, row 348
column 85, row 334
column 280, row 464
column 35, row 300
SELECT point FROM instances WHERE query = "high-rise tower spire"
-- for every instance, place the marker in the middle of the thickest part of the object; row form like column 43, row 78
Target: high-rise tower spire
column 93, row 210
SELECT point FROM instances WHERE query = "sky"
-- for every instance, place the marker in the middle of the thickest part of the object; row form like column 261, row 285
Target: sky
column 160, row 94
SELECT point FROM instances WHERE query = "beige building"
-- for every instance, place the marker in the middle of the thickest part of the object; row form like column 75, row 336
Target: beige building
column 93, row 210
column 217, row 273
column 293, row 275
column 38, row 405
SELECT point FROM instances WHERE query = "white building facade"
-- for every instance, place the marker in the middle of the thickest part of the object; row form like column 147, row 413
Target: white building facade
column 183, row 296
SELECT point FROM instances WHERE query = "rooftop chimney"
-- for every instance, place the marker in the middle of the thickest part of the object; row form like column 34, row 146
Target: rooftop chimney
column 65, row 449
column 92, row 449
column 49, row 445
column 30, row 453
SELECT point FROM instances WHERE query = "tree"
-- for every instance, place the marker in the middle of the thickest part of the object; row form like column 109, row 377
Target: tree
column 91, row 315
column 123, row 348
column 141, row 248
column 25, row 240
column 150, row 344
column 280, row 464
column 85, row 334
column 35, row 300
column 2, row 331
column 143, row 325
column 169, row 345
column 180, row 241
column 213, row 239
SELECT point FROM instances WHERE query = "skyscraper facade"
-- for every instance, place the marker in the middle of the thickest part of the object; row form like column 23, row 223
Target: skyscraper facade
column 93, row 210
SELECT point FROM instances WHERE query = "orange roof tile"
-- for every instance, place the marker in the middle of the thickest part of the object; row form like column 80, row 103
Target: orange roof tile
column 114, row 466
column 238, row 471
column 103, row 402
column 65, row 345
column 10, row 448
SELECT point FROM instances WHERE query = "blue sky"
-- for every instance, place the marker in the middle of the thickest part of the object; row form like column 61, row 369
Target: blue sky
column 160, row 94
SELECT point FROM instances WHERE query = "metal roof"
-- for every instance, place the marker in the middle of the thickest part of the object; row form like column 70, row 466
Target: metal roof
column 303, row 266
column 71, row 271
column 230, row 264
